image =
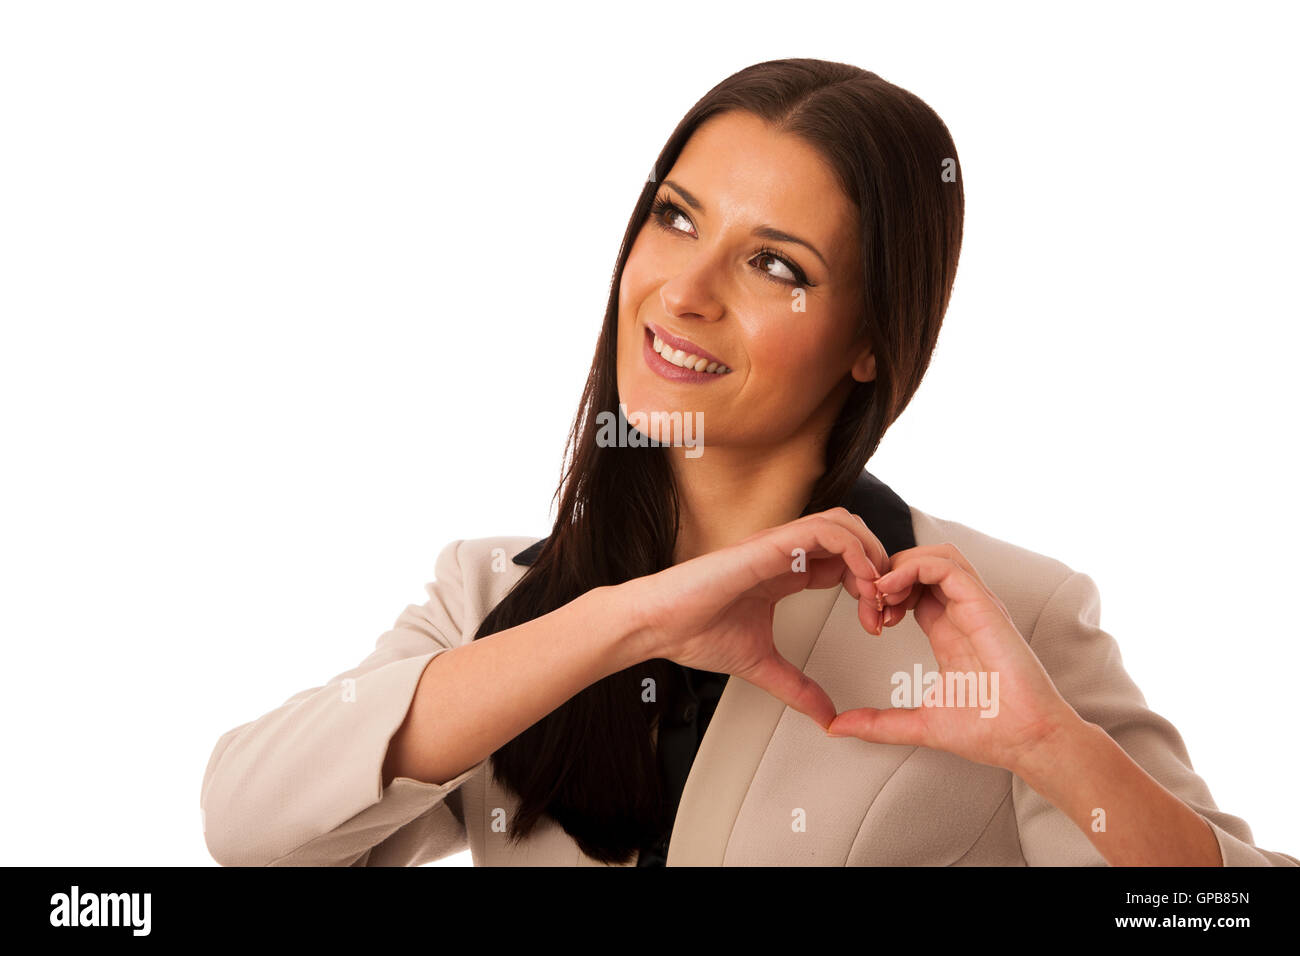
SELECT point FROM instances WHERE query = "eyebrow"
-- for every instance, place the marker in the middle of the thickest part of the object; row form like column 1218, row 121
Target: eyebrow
column 763, row 232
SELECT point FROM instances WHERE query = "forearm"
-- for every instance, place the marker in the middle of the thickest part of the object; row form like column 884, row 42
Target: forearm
column 1082, row 769
column 473, row 699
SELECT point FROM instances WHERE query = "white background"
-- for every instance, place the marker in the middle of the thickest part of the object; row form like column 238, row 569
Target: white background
column 295, row 294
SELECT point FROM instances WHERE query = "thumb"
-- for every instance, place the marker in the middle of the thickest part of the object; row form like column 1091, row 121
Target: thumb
column 889, row 725
column 787, row 683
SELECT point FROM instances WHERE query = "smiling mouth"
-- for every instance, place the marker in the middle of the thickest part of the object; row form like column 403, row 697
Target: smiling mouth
column 684, row 359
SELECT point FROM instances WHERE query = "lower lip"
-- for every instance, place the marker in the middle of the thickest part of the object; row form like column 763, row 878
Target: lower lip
column 668, row 370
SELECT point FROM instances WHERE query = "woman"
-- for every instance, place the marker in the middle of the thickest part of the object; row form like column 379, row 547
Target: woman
column 782, row 281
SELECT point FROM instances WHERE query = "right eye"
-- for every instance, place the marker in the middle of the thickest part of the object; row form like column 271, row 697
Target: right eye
column 667, row 215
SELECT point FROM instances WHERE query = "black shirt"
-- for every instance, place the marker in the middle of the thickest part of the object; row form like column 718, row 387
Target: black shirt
column 689, row 706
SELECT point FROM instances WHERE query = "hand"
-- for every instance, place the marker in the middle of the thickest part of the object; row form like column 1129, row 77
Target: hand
column 715, row 612
column 970, row 631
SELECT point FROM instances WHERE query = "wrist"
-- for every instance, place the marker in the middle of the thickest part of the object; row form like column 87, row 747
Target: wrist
column 1055, row 751
column 622, row 619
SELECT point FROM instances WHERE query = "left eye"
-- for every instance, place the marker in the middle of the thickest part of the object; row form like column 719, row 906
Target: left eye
column 785, row 273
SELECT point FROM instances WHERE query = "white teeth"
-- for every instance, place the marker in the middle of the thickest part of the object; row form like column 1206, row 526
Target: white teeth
column 680, row 358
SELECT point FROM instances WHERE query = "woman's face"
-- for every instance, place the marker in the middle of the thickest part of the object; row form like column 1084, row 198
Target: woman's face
column 755, row 261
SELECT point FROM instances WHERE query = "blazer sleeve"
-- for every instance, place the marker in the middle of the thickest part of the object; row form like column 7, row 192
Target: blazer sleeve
column 1084, row 662
column 302, row 785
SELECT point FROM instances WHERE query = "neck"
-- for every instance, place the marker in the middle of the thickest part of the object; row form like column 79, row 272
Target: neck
column 733, row 491
column 728, row 494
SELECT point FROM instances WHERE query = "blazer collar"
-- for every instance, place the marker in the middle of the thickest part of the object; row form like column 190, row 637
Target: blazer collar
column 886, row 514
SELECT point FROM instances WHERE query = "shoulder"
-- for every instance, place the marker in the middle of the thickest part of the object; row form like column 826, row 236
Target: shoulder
column 470, row 577
column 481, row 570
column 476, row 561
column 475, row 556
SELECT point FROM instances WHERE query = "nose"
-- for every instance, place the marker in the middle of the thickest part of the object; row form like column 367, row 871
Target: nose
column 690, row 294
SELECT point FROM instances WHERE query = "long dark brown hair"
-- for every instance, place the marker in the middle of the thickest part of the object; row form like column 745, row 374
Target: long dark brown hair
column 590, row 764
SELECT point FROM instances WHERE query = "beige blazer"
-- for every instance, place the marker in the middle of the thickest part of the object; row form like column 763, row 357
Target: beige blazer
column 301, row 785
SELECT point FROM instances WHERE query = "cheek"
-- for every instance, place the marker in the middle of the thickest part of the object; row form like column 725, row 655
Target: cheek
column 785, row 349
column 637, row 281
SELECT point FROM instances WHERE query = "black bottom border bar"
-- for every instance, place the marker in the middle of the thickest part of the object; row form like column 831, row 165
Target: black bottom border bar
column 423, row 905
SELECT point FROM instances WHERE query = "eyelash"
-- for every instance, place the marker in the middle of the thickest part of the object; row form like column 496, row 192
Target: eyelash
column 663, row 207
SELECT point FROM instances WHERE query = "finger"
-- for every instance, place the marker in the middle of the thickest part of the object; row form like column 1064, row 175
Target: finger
column 869, row 614
column 860, row 590
column 850, row 582
column 824, row 545
column 894, row 605
column 832, row 552
column 947, row 550
column 892, row 615
column 826, row 549
column 908, row 597
column 831, row 572
column 819, row 574
column 880, row 558
column 950, row 550
column 836, row 539
column 942, row 572
column 855, row 525
column 946, row 587
column 787, row 683
column 929, row 609
column 889, row 725
column 872, row 617
column 903, row 598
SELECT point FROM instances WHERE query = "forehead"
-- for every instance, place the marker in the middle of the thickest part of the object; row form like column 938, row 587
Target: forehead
column 747, row 174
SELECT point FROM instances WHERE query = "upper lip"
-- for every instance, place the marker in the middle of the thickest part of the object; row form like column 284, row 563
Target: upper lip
column 686, row 345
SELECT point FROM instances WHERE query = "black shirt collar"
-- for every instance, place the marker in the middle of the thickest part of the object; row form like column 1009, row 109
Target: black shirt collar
column 886, row 514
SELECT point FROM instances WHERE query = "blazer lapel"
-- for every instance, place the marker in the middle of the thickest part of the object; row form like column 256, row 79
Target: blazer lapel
column 737, row 736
